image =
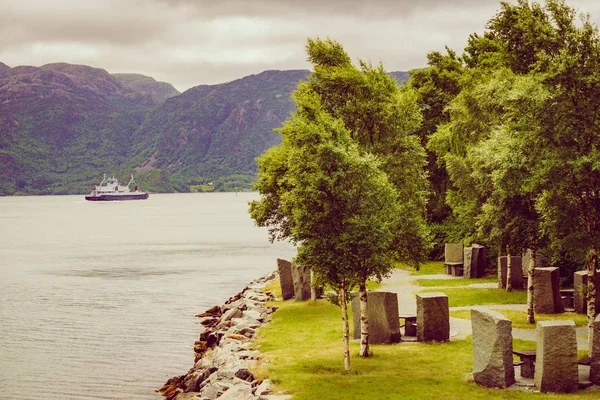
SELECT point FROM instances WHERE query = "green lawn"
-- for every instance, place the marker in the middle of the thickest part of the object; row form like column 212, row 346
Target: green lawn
column 454, row 282
column 458, row 297
column 302, row 355
column 519, row 318
column 428, row 268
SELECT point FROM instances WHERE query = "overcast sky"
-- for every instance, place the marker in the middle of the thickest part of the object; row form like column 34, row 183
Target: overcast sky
column 193, row 42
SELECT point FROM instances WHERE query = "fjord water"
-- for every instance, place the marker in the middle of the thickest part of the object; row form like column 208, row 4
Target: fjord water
column 97, row 299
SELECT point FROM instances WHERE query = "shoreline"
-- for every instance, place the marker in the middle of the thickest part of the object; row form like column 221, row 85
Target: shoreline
column 222, row 352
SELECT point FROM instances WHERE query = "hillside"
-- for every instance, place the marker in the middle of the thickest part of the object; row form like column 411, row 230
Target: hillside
column 62, row 126
column 160, row 91
column 215, row 130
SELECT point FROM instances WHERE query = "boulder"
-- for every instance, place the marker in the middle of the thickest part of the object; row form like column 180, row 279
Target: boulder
column 238, row 392
column 492, row 349
column 382, row 312
column 556, row 367
column 433, row 317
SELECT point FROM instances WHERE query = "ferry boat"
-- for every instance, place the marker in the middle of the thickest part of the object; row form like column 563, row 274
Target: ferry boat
column 109, row 189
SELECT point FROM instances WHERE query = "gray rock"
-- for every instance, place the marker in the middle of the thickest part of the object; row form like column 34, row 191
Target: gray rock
column 238, row 392
column 474, row 259
column 492, row 349
column 285, row 279
column 516, row 272
column 433, row 317
column 580, row 281
column 540, row 261
column 546, row 296
column 595, row 353
column 188, row 396
column 301, row 278
column 382, row 312
column 263, row 388
column 556, row 367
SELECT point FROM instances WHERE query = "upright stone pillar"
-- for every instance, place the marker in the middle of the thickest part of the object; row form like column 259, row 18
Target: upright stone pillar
column 433, row 317
column 516, row 272
column 492, row 349
column 285, row 278
column 556, row 367
column 595, row 353
column 546, row 296
column 540, row 261
column 301, row 278
column 384, row 320
column 580, row 281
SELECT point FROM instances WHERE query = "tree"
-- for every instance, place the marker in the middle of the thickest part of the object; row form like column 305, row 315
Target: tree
column 373, row 226
column 383, row 120
column 336, row 202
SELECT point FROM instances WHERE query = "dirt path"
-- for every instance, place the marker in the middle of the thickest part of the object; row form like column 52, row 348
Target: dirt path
column 405, row 286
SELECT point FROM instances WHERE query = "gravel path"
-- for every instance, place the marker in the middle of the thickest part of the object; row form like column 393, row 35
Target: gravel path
column 405, row 286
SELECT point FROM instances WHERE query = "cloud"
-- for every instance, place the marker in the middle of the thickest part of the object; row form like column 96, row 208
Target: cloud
column 192, row 42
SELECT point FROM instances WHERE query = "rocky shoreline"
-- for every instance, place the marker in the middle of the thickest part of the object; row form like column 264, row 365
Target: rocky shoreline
column 223, row 351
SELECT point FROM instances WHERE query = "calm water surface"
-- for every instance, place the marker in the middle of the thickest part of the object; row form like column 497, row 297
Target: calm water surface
column 97, row 300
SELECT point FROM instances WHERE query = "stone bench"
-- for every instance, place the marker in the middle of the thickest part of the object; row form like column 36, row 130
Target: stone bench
column 527, row 362
column 454, row 268
column 410, row 324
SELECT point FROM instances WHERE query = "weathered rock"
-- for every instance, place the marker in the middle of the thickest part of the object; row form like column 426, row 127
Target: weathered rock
column 474, row 259
column 516, row 272
column 187, row 396
column 492, row 349
column 263, row 388
column 556, row 367
column 285, row 279
column 244, row 375
column 580, row 282
column 301, row 278
column 546, row 296
column 595, row 353
column 433, row 317
column 214, row 311
column 192, row 381
column 238, row 392
column 382, row 312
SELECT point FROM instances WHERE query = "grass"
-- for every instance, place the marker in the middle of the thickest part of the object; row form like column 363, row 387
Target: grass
column 428, row 268
column 459, row 297
column 454, row 282
column 302, row 355
column 519, row 318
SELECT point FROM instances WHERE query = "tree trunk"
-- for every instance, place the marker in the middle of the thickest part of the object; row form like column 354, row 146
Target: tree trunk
column 344, row 305
column 508, row 271
column 530, row 268
column 313, row 289
column 364, row 321
column 591, row 293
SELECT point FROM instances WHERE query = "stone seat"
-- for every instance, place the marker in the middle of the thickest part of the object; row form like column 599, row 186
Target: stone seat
column 527, row 362
column 454, row 268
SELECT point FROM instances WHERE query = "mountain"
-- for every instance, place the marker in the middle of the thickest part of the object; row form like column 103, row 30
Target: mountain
column 216, row 130
column 160, row 91
column 62, row 126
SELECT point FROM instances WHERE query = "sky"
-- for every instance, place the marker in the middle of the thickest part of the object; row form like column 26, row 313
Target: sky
column 194, row 42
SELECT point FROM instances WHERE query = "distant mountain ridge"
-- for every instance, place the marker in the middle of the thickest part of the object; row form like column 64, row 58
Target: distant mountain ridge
column 160, row 91
column 62, row 126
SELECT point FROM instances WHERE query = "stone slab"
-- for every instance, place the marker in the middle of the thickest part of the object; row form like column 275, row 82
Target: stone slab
column 433, row 317
column 516, row 272
column 546, row 296
column 286, row 281
column 580, row 280
column 302, row 281
column 556, row 367
column 384, row 320
column 595, row 353
column 492, row 349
